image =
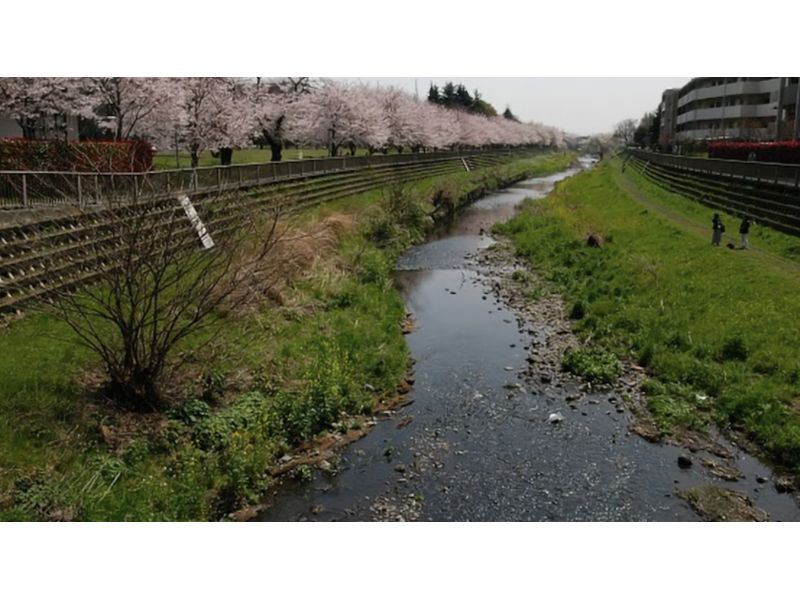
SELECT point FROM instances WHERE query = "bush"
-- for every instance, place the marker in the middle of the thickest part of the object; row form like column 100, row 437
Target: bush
column 787, row 152
column 76, row 156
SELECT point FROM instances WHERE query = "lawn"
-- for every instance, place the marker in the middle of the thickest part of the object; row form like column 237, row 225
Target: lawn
column 168, row 160
column 716, row 329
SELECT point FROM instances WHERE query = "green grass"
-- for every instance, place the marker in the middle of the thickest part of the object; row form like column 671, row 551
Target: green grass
column 762, row 237
column 715, row 328
column 268, row 380
column 168, row 161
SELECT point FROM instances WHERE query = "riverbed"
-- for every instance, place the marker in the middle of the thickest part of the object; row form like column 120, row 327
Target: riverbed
column 477, row 439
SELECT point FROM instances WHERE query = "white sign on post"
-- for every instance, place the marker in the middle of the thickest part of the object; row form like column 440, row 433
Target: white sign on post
column 191, row 213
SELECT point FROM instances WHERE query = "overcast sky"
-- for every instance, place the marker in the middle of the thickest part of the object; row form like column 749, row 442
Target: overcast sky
column 582, row 105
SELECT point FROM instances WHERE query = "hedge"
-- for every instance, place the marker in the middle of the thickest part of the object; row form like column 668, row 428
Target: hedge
column 787, row 152
column 76, row 156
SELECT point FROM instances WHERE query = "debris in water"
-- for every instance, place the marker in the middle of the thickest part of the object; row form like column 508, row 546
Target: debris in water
column 555, row 418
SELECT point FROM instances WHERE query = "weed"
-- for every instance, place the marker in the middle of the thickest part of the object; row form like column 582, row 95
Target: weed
column 734, row 349
column 595, row 365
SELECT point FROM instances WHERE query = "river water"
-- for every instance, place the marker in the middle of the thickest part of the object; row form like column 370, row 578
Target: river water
column 474, row 444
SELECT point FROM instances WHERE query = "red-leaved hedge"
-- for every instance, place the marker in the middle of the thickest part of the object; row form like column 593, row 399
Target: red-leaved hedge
column 787, row 152
column 71, row 156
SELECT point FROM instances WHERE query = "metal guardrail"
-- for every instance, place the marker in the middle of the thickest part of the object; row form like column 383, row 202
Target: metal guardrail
column 787, row 175
column 27, row 189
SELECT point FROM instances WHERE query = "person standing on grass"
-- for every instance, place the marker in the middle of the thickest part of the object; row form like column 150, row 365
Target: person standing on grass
column 744, row 231
column 718, row 228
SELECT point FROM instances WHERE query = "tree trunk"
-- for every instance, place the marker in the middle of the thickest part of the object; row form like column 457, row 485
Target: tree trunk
column 195, row 158
column 225, row 156
column 277, row 149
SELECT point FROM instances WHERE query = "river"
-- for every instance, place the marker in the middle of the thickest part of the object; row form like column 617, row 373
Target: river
column 476, row 441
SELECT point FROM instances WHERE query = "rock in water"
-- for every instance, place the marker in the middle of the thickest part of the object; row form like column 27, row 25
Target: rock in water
column 555, row 418
column 784, row 484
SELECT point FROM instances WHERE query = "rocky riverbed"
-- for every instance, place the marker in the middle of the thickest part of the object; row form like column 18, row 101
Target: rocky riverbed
column 492, row 428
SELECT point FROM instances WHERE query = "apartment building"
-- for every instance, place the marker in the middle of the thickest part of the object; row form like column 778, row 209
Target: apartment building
column 740, row 108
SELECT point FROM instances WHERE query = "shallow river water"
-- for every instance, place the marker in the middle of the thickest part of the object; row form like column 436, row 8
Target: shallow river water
column 472, row 445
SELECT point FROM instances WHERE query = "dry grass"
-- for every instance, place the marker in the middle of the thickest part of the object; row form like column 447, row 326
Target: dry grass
column 296, row 253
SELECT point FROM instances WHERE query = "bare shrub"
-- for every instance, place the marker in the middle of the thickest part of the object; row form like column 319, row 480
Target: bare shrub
column 154, row 286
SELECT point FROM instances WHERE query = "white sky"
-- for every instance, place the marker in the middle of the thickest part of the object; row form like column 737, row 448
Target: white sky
column 581, row 105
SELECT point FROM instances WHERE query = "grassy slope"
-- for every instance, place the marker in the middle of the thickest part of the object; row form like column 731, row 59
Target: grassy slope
column 269, row 380
column 704, row 320
column 761, row 238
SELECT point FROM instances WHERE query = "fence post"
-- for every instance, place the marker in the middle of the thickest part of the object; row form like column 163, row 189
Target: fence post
column 274, row 172
column 219, row 179
column 194, row 179
column 96, row 189
column 169, row 185
column 258, row 174
column 241, row 180
column 80, row 192
column 25, row 190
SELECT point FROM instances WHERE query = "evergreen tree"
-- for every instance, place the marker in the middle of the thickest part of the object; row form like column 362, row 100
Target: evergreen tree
column 449, row 94
column 508, row 115
column 463, row 98
column 433, row 95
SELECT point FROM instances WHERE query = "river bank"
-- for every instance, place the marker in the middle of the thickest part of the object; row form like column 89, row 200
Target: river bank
column 493, row 428
column 701, row 366
column 314, row 357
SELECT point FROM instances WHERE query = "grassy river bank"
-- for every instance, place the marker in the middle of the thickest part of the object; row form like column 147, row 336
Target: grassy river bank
column 316, row 357
column 715, row 329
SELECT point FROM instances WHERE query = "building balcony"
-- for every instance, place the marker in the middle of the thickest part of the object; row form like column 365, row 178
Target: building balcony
column 731, row 89
column 728, row 112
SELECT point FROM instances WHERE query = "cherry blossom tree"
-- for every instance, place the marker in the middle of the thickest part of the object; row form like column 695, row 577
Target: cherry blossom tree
column 404, row 119
column 369, row 125
column 40, row 105
column 338, row 114
column 212, row 114
column 274, row 108
column 133, row 106
column 220, row 114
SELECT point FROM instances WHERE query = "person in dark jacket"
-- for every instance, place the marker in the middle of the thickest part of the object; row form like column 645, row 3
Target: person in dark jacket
column 717, row 229
column 744, row 231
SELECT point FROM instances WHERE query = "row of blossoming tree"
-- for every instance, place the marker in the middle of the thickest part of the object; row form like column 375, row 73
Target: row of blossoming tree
column 197, row 114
